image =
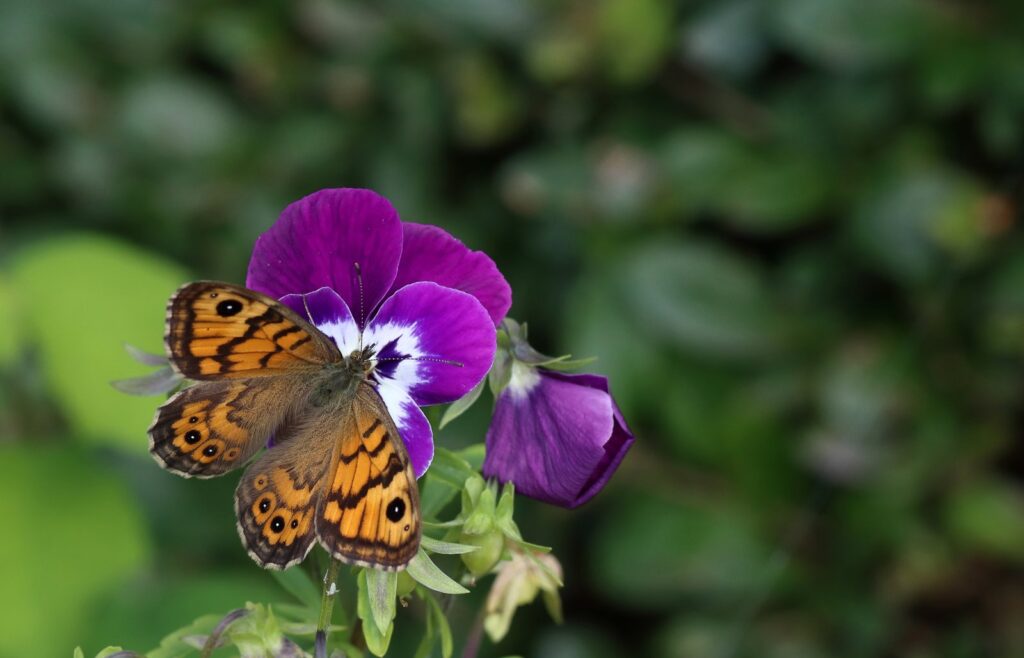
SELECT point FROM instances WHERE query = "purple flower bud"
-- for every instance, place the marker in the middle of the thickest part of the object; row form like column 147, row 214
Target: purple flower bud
column 558, row 437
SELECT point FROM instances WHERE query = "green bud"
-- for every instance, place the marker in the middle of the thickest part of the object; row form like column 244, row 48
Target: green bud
column 471, row 493
column 481, row 519
column 489, row 545
column 406, row 584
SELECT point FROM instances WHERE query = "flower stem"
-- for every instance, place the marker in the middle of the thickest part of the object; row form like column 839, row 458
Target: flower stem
column 326, row 608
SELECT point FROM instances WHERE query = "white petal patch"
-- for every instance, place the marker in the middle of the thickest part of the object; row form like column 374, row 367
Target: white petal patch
column 397, row 401
column 344, row 333
column 523, row 380
column 406, row 374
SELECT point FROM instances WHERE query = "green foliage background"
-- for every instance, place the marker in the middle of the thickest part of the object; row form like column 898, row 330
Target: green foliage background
column 789, row 229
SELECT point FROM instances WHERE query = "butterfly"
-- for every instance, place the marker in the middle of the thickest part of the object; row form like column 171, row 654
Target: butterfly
column 338, row 472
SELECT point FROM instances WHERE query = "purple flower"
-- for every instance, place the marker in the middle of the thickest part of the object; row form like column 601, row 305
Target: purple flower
column 425, row 303
column 558, row 437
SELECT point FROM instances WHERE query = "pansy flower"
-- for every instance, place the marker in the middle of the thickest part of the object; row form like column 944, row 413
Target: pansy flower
column 559, row 437
column 426, row 304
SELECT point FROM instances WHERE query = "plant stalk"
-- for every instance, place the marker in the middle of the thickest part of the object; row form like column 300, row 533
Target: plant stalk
column 326, row 608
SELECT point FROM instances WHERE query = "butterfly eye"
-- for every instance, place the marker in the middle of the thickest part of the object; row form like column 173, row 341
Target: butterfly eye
column 396, row 510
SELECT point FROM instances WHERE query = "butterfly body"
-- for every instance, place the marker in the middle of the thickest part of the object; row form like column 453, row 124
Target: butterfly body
column 337, row 472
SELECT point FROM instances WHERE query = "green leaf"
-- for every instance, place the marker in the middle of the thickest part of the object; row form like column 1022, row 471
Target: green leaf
column 445, row 547
column 113, row 294
column 501, row 372
column 78, row 653
column 298, row 583
column 506, row 504
column 427, row 642
column 474, row 455
column 443, row 481
column 68, row 555
column 568, row 364
column 381, row 589
column 143, row 614
column 377, row 641
column 109, row 651
column 174, row 645
column 425, row 572
column 449, row 467
column 462, row 405
column 440, row 622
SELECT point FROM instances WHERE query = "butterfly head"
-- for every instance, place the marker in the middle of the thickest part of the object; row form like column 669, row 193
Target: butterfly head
column 361, row 361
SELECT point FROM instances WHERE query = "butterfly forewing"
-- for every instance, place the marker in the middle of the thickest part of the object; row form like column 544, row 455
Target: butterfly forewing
column 218, row 331
column 369, row 512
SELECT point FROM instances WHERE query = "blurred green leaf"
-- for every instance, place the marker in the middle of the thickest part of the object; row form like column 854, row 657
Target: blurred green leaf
column 919, row 221
column 651, row 552
column 177, row 117
column 142, row 611
column 701, row 298
column 111, row 294
column 988, row 516
column 74, row 533
column 852, row 34
column 729, row 37
column 298, row 583
column 11, row 331
column 634, row 35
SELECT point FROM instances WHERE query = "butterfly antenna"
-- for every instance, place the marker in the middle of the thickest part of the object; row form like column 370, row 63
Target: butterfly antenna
column 305, row 305
column 362, row 313
column 431, row 359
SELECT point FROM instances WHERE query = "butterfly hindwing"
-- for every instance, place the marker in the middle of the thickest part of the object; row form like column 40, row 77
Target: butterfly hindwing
column 369, row 512
column 211, row 428
column 217, row 331
column 277, row 498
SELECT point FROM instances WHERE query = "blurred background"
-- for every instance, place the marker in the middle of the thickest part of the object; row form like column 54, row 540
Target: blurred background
column 789, row 229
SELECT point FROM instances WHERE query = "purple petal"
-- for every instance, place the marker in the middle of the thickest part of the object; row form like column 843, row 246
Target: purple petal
column 558, row 437
column 412, row 425
column 319, row 240
column 330, row 314
column 431, row 254
column 436, row 343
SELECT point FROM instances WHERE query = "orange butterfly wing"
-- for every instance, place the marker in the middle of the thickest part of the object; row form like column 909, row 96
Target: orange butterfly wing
column 217, row 331
column 370, row 513
column 254, row 358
